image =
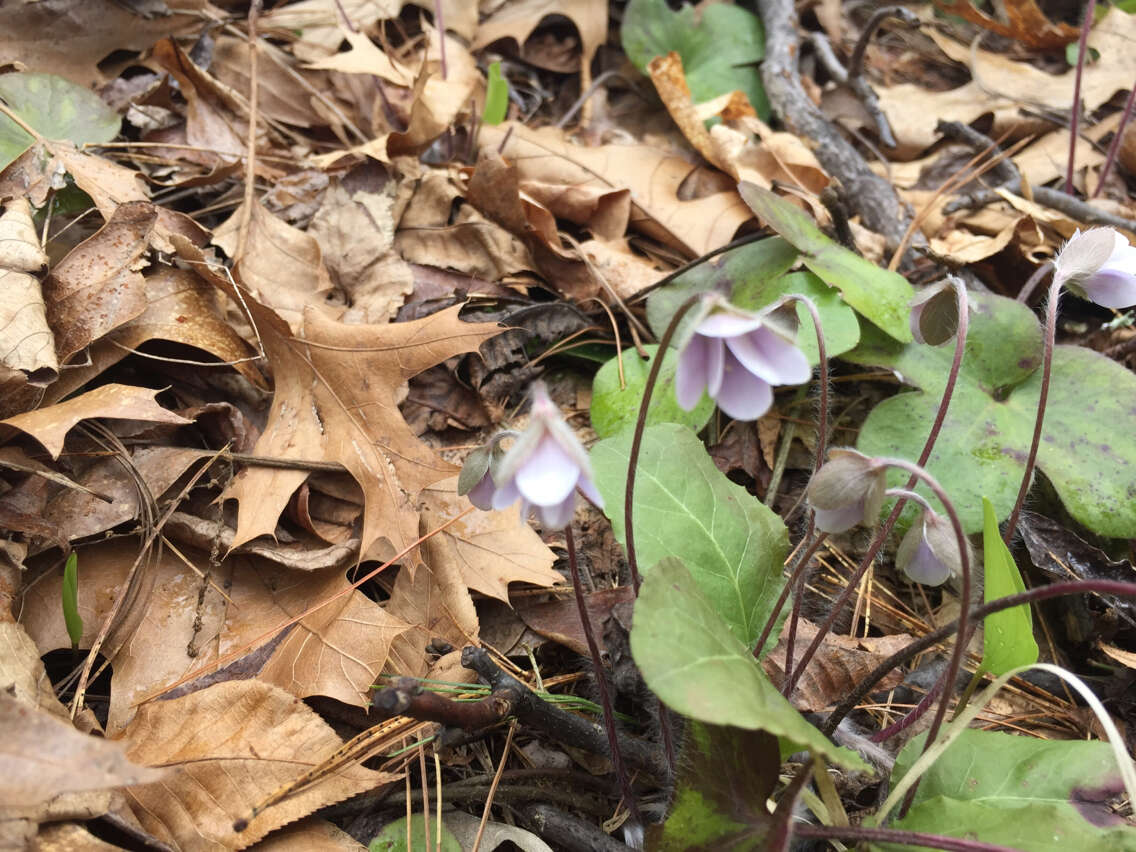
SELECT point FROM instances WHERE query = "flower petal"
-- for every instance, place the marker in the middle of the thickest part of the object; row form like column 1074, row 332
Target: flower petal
column 589, row 490
column 1110, row 288
column 692, row 373
column 481, row 495
column 506, row 495
column 727, row 324
column 1084, row 254
column 548, row 475
column 768, row 355
column 743, row 396
column 838, row 520
column 715, row 365
column 560, row 515
column 925, row 567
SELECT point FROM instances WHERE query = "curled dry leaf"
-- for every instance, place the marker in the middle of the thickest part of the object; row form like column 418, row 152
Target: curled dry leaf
column 488, row 549
column 517, row 21
column 186, row 625
column 229, row 747
column 559, row 174
column 50, row 425
column 281, row 265
column 26, row 341
column 99, row 285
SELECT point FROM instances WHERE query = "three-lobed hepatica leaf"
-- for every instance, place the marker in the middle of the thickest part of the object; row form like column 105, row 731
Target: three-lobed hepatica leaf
column 685, row 507
column 54, row 107
column 756, row 275
column 1087, row 450
column 616, row 408
column 692, row 659
column 1007, row 635
column 1030, row 794
column 876, row 293
column 719, row 50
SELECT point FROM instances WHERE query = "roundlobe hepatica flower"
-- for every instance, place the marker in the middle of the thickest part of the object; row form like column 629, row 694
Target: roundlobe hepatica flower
column 1099, row 265
column 543, row 469
column 736, row 357
column 929, row 553
column 847, row 490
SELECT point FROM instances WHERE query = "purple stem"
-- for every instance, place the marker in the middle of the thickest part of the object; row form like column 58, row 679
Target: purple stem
column 904, row 655
column 893, row 516
column 1114, row 145
column 800, row 566
column 637, row 438
column 1033, row 281
column 1075, row 116
column 911, row 718
column 895, row 835
column 601, row 681
column 822, row 435
column 1042, row 399
column 797, row 582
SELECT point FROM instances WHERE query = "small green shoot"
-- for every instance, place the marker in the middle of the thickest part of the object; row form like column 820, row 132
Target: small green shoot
column 70, row 595
column 496, row 96
column 1009, row 641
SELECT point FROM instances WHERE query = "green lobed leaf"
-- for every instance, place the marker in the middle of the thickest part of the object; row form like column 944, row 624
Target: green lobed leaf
column 878, row 294
column 56, row 108
column 687, row 508
column 755, row 276
column 496, row 96
column 696, row 664
column 1019, row 791
column 615, row 409
column 70, row 595
column 1007, row 635
column 719, row 48
column 1086, row 451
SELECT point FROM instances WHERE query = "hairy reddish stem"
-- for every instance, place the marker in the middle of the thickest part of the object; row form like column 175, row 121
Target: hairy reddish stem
column 896, row 835
column 1075, row 115
column 1114, row 145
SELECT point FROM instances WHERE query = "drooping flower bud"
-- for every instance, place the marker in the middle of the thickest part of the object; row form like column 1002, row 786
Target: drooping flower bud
column 1098, row 265
column 544, row 467
column 929, row 553
column 847, row 490
column 476, row 478
column 934, row 314
column 737, row 356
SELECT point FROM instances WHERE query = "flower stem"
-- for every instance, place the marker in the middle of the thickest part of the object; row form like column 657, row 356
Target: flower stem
column 1040, row 593
column 822, row 379
column 1042, row 399
column 932, row 436
column 1114, row 145
column 601, row 681
column 814, row 545
column 798, row 583
column 1075, row 115
column 955, row 661
column 637, row 438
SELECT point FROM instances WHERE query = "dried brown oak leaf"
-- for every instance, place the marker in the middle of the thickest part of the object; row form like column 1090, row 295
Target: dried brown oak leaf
column 336, row 399
column 26, row 341
column 50, row 425
column 230, row 746
column 185, row 629
column 517, row 21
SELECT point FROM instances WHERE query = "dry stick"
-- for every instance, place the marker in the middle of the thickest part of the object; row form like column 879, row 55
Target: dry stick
column 1114, row 145
column 250, row 162
column 601, row 681
column 1042, row 399
column 496, row 776
column 1075, row 115
column 896, row 835
column 936, row 426
column 910, row 651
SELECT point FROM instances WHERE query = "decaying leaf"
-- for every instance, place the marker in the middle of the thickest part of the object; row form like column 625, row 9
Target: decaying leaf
column 50, row 425
column 229, row 747
column 26, row 341
column 517, row 21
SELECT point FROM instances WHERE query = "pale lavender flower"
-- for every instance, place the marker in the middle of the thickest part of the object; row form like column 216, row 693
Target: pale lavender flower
column 736, row 357
column 847, row 490
column 1098, row 265
column 929, row 553
column 544, row 467
column 476, row 478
